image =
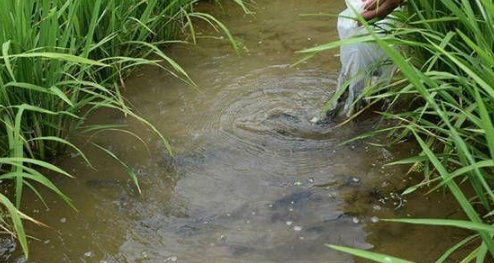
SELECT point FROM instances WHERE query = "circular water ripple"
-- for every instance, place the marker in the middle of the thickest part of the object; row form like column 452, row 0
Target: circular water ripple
column 273, row 104
column 260, row 122
column 266, row 113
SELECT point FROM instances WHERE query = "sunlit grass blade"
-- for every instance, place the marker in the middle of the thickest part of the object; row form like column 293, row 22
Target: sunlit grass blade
column 369, row 255
column 447, row 222
column 129, row 170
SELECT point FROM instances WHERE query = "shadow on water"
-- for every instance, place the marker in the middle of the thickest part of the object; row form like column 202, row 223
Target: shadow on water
column 252, row 180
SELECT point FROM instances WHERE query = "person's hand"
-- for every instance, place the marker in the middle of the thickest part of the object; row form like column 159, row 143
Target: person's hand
column 371, row 4
column 375, row 4
column 379, row 8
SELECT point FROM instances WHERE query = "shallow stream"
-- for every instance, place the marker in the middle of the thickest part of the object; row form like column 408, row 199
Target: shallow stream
column 251, row 179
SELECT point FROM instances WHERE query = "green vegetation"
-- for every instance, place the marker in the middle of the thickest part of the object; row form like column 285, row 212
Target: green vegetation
column 446, row 78
column 62, row 60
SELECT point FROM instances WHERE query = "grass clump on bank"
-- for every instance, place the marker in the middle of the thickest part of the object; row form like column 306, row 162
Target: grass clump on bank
column 62, row 60
column 446, row 78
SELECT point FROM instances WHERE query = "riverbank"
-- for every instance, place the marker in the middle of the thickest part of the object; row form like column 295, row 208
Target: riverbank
column 62, row 61
column 443, row 92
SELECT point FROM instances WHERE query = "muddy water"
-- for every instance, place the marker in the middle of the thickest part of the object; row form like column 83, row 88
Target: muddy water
column 251, row 180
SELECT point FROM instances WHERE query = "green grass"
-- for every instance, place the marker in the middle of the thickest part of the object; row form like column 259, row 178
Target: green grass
column 60, row 61
column 446, row 82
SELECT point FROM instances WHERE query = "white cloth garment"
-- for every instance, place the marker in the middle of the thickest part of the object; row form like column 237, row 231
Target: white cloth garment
column 362, row 63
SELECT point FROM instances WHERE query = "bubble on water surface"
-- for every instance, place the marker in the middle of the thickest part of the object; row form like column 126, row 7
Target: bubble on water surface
column 172, row 259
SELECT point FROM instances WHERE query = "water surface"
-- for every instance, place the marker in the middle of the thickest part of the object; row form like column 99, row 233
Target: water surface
column 244, row 184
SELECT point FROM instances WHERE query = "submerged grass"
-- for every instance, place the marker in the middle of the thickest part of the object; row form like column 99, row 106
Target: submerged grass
column 446, row 79
column 62, row 60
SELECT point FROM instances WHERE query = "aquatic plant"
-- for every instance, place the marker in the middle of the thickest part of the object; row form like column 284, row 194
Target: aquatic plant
column 446, row 82
column 63, row 60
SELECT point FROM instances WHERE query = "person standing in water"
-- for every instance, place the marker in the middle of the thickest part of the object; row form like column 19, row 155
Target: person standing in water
column 363, row 63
